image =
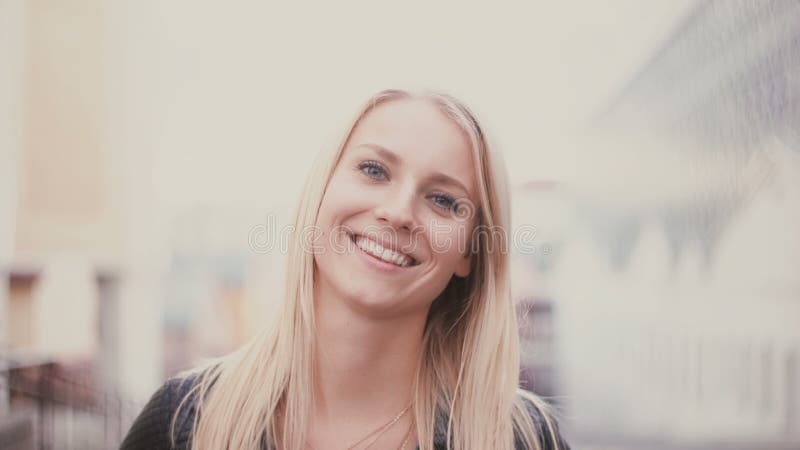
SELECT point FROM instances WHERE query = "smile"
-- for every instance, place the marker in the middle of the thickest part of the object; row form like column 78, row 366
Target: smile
column 378, row 251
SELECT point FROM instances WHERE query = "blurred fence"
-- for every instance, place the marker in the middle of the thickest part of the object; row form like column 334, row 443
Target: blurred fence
column 53, row 405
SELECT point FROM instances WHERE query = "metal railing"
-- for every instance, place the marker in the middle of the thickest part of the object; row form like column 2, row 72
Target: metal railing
column 61, row 405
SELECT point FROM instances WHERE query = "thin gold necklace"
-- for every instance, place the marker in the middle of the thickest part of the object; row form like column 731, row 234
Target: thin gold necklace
column 408, row 436
column 386, row 428
column 380, row 430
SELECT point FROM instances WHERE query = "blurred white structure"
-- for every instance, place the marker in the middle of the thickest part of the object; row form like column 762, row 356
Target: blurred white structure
column 674, row 274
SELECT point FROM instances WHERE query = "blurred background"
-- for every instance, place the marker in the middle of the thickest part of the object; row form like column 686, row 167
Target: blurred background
column 151, row 153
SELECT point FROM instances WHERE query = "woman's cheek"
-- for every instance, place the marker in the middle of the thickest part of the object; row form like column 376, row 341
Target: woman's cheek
column 462, row 238
column 439, row 233
column 446, row 237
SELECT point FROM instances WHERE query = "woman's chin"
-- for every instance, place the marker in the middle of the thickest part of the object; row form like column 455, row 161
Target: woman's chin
column 376, row 304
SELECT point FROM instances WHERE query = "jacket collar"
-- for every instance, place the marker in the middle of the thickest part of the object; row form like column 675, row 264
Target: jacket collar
column 440, row 429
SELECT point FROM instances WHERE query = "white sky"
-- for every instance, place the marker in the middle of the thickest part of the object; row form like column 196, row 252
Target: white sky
column 236, row 100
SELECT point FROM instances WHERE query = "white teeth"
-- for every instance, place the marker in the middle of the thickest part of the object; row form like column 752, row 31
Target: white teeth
column 377, row 250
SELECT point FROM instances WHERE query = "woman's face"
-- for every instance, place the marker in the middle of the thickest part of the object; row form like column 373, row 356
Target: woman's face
column 397, row 214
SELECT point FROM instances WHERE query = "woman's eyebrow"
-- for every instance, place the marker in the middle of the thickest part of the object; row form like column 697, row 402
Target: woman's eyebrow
column 382, row 151
column 436, row 177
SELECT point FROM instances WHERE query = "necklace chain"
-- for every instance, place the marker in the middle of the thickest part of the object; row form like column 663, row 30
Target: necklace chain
column 408, row 436
column 380, row 430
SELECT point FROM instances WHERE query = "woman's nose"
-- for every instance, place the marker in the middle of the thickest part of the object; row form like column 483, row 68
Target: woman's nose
column 397, row 211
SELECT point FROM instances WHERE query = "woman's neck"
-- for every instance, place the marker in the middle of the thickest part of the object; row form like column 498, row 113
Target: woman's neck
column 365, row 366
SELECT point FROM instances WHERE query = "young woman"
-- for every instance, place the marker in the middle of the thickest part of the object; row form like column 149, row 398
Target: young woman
column 398, row 330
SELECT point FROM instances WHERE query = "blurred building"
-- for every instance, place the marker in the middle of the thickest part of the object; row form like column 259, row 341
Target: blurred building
column 218, row 288
column 79, row 321
column 536, row 301
column 678, row 298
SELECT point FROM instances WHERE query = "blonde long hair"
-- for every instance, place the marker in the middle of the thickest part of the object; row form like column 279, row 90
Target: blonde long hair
column 469, row 366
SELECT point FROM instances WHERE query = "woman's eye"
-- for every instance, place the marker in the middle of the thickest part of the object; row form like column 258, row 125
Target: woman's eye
column 445, row 201
column 372, row 170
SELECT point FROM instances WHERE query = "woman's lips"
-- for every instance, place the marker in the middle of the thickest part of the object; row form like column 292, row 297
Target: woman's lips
column 389, row 257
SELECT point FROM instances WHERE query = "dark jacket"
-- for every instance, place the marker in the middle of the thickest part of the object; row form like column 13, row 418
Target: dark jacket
column 150, row 430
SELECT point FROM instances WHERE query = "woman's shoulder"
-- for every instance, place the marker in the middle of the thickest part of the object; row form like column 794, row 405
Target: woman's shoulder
column 544, row 420
column 152, row 427
column 541, row 415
